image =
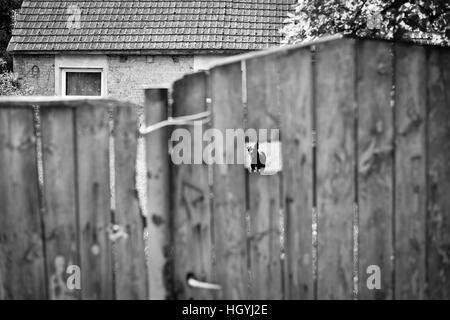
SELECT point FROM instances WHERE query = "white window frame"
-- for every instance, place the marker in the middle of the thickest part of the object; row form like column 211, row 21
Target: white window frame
column 82, row 70
column 80, row 63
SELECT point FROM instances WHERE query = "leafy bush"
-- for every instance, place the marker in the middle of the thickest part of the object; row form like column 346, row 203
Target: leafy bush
column 10, row 84
column 424, row 20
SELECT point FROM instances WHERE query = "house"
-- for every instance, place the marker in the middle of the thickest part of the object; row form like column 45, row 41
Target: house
column 115, row 48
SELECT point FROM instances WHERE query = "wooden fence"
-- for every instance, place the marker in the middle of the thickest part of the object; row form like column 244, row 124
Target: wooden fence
column 365, row 131
column 68, row 197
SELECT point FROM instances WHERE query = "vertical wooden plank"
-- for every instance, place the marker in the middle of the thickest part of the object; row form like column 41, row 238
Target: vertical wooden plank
column 229, row 186
column 60, row 216
column 438, row 140
column 158, row 195
column 264, row 191
column 92, row 168
column 192, row 214
column 410, row 202
column 131, row 273
column 375, row 167
column 335, row 166
column 22, row 265
column 296, row 131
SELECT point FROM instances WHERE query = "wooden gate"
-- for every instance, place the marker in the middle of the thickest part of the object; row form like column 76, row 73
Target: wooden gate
column 365, row 130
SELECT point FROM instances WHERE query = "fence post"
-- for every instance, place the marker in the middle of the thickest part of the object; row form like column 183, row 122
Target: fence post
column 158, row 191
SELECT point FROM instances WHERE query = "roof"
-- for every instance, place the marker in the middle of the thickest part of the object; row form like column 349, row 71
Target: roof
column 153, row 25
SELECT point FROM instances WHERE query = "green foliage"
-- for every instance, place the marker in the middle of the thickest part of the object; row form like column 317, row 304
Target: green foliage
column 7, row 8
column 388, row 19
column 10, row 84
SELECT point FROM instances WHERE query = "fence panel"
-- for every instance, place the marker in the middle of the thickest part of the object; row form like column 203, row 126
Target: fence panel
column 92, row 159
column 22, row 265
column 192, row 219
column 410, row 172
column 229, row 187
column 295, row 76
column 335, row 104
column 60, row 219
column 64, row 217
column 375, row 165
column 365, row 181
column 264, row 191
column 159, row 248
column 438, row 152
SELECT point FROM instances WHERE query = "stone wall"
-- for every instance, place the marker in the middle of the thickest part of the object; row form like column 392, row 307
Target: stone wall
column 37, row 71
column 126, row 76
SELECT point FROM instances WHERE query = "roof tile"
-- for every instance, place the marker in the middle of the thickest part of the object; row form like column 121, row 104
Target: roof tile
column 150, row 24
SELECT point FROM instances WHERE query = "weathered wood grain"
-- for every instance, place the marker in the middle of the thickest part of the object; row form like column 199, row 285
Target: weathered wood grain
column 60, row 217
column 400, row 186
column 438, row 153
column 335, row 90
column 229, row 187
column 264, row 191
column 93, row 201
column 296, row 131
column 192, row 219
column 410, row 175
column 375, row 164
column 22, row 265
column 157, row 175
column 131, row 273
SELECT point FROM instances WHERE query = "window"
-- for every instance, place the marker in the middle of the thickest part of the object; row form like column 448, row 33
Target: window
column 81, row 75
column 82, row 82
